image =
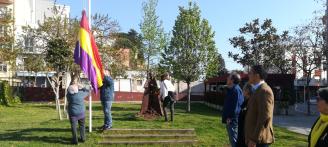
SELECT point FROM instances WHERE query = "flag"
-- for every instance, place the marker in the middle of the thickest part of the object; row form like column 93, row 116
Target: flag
column 87, row 56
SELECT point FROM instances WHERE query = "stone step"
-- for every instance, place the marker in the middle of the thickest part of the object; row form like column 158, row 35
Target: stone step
column 171, row 142
column 150, row 131
column 149, row 136
column 152, row 137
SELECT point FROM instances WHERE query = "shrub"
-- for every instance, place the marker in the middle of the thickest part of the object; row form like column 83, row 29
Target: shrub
column 6, row 97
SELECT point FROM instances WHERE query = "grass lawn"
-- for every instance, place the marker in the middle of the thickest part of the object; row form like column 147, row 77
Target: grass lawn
column 37, row 125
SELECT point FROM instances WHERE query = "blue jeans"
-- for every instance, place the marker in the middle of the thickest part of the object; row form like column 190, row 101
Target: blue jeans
column 107, row 106
column 232, row 130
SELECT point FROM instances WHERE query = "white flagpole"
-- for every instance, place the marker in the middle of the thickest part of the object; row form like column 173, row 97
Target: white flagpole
column 90, row 97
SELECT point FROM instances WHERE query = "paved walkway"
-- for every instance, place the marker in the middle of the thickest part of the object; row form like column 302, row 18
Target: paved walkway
column 298, row 120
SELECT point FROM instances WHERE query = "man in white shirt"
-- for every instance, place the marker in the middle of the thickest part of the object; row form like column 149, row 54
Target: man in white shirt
column 167, row 94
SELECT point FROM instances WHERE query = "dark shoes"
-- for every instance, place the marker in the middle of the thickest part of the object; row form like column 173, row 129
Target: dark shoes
column 76, row 143
column 105, row 128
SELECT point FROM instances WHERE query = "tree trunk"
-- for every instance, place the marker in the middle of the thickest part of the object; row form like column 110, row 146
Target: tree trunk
column 35, row 80
column 65, row 103
column 10, row 78
column 308, row 96
column 308, row 102
column 67, row 81
column 55, row 88
column 148, row 60
column 58, row 103
column 188, row 101
column 326, row 41
column 178, row 91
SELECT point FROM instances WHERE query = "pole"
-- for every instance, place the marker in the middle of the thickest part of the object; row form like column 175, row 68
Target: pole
column 326, row 40
column 90, row 97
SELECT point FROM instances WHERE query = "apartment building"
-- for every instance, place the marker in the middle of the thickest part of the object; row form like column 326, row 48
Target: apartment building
column 26, row 13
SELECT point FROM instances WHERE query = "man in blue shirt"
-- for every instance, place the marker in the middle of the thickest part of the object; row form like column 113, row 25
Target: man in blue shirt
column 107, row 98
column 232, row 107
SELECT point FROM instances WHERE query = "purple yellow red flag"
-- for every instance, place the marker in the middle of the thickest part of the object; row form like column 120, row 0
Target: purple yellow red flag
column 87, row 56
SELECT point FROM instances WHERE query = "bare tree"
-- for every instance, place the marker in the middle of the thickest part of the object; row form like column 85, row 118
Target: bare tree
column 104, row 28
column 308, row 43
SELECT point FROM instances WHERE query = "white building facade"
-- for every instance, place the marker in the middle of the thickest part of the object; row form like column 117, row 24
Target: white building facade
column 27, row 13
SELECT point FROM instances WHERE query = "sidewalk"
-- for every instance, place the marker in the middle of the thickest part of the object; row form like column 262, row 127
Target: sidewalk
column 297, row 121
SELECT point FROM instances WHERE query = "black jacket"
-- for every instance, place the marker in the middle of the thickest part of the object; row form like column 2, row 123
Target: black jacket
column 323, row 140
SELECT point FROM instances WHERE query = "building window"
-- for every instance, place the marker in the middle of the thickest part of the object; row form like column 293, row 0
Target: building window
column 21, row 66
column 3, row 30
column 139, row 82
column 4, row 11
column 3, row 67
column 29, row 44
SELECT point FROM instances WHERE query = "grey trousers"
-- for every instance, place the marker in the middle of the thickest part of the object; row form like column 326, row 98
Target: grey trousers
column 74, row 122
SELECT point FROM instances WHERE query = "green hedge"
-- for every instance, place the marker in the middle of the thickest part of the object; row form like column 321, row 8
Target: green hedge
column 6, row 95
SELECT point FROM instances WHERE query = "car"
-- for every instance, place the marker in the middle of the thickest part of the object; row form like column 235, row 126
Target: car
column 313, row 100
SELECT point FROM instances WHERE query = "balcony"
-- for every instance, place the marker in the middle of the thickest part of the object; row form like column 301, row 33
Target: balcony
column 6, row 2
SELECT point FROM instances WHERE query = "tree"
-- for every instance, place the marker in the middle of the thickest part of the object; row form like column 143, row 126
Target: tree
column 58, row 58
column 221, row 67
column 137, row 45
column 133, row 41
column 211, row 61
column 104, row 30
column 55, row 38
column 260, row 44
column 192, row 47
column 9, row 49
column 281, row 54
column 166, row 58
column 152, row 32
column 308, row 44
column 34, row 63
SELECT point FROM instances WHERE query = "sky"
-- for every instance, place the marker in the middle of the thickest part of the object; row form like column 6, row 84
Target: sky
column 225, row 16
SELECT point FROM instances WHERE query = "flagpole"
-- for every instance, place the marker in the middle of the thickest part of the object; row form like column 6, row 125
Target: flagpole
column 90, row 97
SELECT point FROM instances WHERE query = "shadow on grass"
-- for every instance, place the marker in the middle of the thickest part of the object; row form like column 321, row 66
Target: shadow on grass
column 44, row 106
column 196, row 108
column 115, row 108
column 121, row 117
column 28, row 135
column 180, row 109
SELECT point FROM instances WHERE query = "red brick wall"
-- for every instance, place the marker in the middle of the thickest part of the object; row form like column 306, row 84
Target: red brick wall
column 36, row 94
column 137, row 96
column 122, row 96
column 183, row 96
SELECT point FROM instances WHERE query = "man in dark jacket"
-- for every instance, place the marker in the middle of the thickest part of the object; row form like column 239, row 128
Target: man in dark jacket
column 76, row 108
column 232, row 107
column 107, row 98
